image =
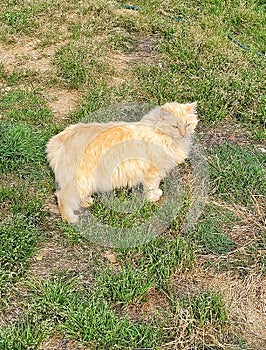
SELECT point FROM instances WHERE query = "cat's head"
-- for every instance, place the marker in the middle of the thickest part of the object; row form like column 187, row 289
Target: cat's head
column 177, row 119
column 180, row 120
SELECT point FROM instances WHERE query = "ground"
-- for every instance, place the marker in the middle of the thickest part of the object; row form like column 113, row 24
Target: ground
column 61, row 62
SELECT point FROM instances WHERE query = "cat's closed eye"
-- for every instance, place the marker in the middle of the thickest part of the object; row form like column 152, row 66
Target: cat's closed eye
column 177, row 126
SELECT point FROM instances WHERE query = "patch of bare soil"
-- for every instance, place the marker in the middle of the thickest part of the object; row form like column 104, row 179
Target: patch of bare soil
column 225, row 131
column 50, row 205
column 123, row 62
column 146, row 310
column 25, row 56
column 53, row 257
column 61, row 102
column 58, row 342
column 245, row 298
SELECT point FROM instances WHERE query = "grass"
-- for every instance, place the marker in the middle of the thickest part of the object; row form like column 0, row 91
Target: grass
column 78, row 66
column 211, row 231
column 239, row 173
column 206, row 307
column 25, row 106
column 22, row 138
column 119, row 203
column 18, row 243
column 24, row 335
column 163, row 256
column 179, row 290
column 22, row 147
column 61, row 304
column 126, row 285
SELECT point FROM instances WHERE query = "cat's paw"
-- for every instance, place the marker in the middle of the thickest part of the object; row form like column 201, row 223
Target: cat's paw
column 86, row 202
column 71, row 218
column 155, row 195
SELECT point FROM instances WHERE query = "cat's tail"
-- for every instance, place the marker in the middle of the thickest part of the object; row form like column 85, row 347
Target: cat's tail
column 55, row 146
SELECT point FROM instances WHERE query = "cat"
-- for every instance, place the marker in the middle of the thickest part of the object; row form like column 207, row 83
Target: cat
column 100, row 157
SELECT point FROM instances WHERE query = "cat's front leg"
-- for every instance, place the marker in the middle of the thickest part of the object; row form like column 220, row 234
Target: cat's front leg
column 68, row 202
column 67, row 213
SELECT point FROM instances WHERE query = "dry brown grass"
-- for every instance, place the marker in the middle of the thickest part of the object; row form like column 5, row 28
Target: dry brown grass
column 58, row 342
column 245, row 300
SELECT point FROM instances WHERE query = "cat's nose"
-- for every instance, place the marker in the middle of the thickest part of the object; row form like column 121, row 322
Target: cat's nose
column 182, row 133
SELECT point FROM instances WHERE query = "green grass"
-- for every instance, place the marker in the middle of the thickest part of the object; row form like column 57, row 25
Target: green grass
column 96, row 98
column 211, row 231
column 24, row 131
column 52, row 298
column 93, row 321
column 62, row 304
column 18, row 242
column 206, row 307
column 25, row 106
column 19, row 21
column 24, row 335
column 126, row 285
column 78, row 66
column 115, row 216
column 22, row 147
column 22, row 216
column 19, row 200
column 238, row 173
column 106, row 54
column 162, row 256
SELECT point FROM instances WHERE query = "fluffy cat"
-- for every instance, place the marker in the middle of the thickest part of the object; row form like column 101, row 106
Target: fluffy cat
column 87, row 158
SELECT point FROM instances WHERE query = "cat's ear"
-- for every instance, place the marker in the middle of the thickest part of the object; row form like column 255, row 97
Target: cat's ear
column 191, row 107
column 164, row 113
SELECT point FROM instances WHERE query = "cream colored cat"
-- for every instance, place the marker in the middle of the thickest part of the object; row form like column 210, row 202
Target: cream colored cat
column 87, row 158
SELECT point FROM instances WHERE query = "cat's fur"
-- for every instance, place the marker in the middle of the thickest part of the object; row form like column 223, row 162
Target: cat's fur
column 87, row 158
